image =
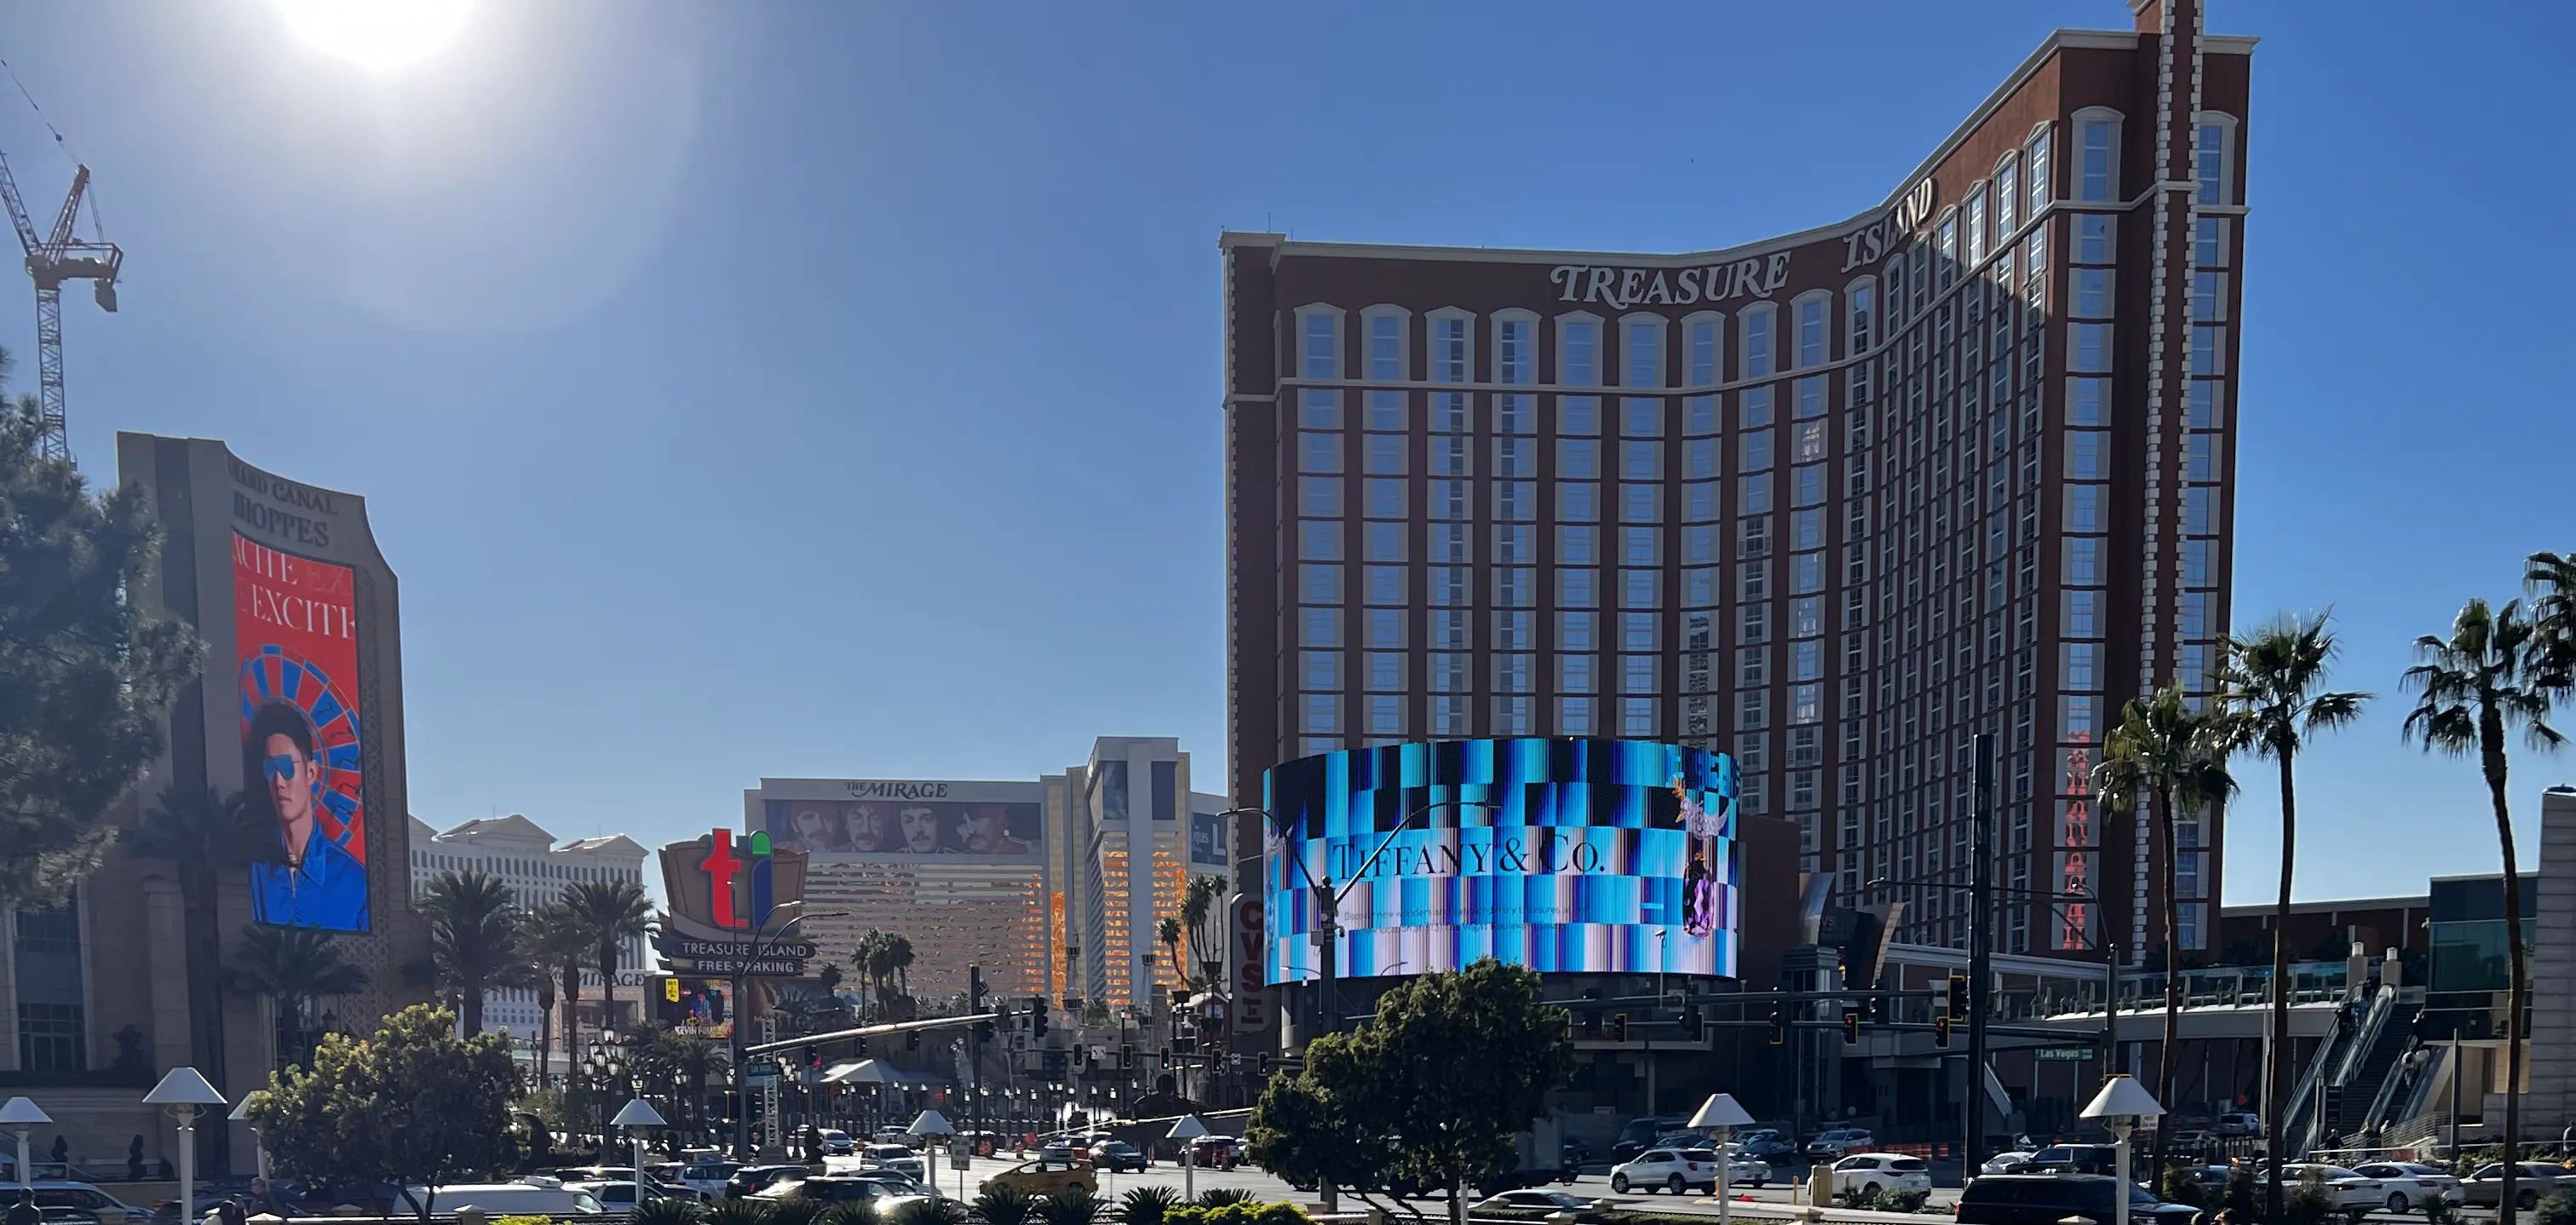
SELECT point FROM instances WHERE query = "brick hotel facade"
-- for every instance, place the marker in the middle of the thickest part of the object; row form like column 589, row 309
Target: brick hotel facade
column 1832, row 502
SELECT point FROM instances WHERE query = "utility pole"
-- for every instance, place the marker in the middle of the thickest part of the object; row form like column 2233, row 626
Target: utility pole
column 975, row 1050
column 1981, row 940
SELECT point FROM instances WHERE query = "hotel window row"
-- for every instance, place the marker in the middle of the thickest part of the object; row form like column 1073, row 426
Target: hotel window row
column 1635, row 351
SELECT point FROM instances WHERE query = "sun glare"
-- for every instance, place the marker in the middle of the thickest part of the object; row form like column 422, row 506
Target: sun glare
column 376, row 34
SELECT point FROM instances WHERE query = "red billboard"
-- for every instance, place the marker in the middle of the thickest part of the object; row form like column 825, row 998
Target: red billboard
column 295, row 627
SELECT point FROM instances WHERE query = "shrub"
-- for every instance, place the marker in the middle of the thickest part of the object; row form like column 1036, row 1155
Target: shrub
column 2243, row 1194
column 1004, row 1205
column 2440, row 1211
column 846, row 1214
column 1072, row 1206
column 1898, row 1199
column 940, row 1211
column 2182, row 1187
column 547, row 1220
column 1279, row 1214
column 658, row 1212
column 1219, row 1197
column 1863, row 1199
column 2308, row 1203
column 1146, row 1205
column 2556, row 1208
column 740, row 1212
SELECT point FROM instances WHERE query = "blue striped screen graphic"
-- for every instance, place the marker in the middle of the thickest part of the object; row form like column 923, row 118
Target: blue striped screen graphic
column 1565, row 855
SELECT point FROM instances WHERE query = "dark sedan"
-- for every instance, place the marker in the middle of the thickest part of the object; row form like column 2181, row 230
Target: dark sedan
column 1117, row 1155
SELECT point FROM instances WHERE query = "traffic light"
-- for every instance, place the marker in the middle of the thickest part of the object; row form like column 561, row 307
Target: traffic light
column 1055, row 1065
column 1941, row 1031
column 912, row 1039
column 1619, row 1027
column 1958, row 995
column 1126, row 1057
column 974, row 988
column 1037, row 1016
column 1694, row 1024
column 1779, row 1026
column 1851, row 1027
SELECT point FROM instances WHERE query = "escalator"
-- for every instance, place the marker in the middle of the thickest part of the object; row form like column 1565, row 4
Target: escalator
column 2358, row 1052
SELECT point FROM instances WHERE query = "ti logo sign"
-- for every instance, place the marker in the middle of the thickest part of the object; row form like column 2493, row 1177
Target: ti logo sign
column 728, row 890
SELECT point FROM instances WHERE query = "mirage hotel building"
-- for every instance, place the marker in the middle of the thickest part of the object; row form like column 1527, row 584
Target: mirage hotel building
column 1831, row 502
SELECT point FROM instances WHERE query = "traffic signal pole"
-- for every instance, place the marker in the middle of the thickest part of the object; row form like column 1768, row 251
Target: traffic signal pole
column 1981, row 942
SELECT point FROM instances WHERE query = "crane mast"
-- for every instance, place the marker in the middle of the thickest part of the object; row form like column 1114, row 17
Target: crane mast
column 57, row 257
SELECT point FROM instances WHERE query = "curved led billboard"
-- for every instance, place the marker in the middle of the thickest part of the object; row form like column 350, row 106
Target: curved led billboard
column 1569, row 855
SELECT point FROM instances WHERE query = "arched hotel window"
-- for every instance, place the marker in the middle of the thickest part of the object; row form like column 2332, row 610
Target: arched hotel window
column 1641, row 350
column 1383, row 352
column 1812, row 315
column 1758, row 339
column 1515, row 346
column 1453, row 345
column 1860, row 315
column 1319, row 341
column 1578, row 350
column 1703, row 349
column 2213, row 160
column 2037, row 190
column 1945, row 247
column 2097, row 154
column 2007, row 198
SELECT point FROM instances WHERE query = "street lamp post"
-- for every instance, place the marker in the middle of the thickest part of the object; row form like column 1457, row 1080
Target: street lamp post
column 1721, row 1115
column 1328, row 910
column 637, row 1115
column 2121, row 1103
column 184, row 1092
column 24, row 1117
column 742, row 1015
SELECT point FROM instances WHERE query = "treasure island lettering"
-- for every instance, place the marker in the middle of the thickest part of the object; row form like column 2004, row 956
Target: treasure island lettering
column 269, row 504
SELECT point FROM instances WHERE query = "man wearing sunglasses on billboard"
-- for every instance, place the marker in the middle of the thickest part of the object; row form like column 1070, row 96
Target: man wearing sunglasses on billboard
column 309, row 880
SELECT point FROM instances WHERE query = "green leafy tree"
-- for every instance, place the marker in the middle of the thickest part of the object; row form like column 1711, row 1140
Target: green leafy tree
column 2164, row 748
column 476, row 940
column 1452, row 1067
column 1317, row 1128
column 2495, row 671
column 86, row 666
column 611, row 912
column 411, row 1104
column 293, row 968
column 2271, row 686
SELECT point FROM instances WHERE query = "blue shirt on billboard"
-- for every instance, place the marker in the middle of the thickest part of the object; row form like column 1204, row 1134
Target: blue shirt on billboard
column 328, row 891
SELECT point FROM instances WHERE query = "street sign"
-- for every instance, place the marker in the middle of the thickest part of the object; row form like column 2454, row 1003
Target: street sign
column 691, row 949
column 2062, row 1054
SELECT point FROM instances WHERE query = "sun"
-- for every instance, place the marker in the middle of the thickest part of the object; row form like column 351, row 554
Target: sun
column 376, row 34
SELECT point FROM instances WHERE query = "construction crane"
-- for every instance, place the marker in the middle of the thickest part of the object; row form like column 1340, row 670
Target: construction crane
column 52, row 260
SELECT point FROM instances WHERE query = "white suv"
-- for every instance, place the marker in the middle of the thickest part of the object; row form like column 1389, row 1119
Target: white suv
column 1675, row 1170
column 1881, row 1172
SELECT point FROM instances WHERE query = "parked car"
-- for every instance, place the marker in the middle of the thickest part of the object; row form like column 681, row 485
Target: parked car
column 900, row 1182
column 1044, row 1177
column 1741, row 1170
column 708, row 1179
column 60, row 1193
column 620, row 1196
column 536, row 1196
column 837, row 1143
column 1832, row 1143
column 897, row 1157
column 1116, row 1156
column 2003, row 1163
column 2531, row 1181
column 1217, row 1152
column 2354, row 1193
column 1639, row 1135
column 623, row 1173
column 1882, row 1172
column 881, row 1199
column 2046, row 1199
column 1768, row 1144
column 753, row 1179
column 2194, row 1140
column 1535, row 1200
column 1675, row 1170
column 891, row 1135
column 2239, row 1123
column 2411, row 1185
column 2070, row 1159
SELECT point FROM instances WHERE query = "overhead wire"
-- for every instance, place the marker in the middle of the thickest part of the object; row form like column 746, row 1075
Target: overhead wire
column 97, row 225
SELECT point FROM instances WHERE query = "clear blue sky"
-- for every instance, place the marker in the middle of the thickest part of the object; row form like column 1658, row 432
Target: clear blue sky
column 832, row 389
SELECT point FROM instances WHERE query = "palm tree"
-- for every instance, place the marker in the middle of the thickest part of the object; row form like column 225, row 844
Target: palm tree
column 2551, row 580
column 2177, row 754
column 1169, row 933
column 557, row 947
column 208, row 838
column 474, row 939
column 612, row 912
column 294, row 967
column 2495, row 670
column 2268, row 684
column 1203, row 899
